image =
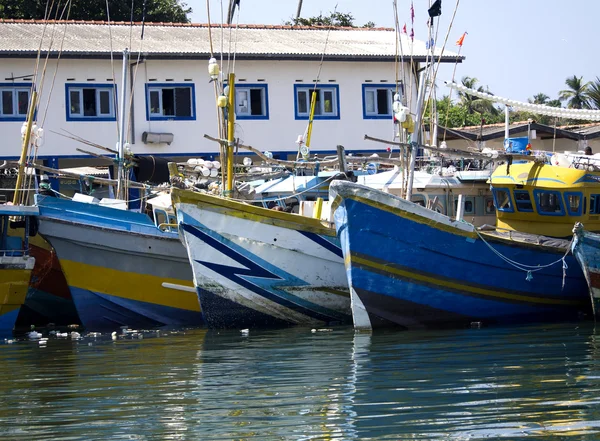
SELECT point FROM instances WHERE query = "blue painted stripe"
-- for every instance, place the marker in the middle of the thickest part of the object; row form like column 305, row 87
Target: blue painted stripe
column 324, row 242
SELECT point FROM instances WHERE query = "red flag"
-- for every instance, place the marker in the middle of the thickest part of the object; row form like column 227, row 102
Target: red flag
column 404, row 29
column 460, row 41
column 412, row 12
column 412, row 34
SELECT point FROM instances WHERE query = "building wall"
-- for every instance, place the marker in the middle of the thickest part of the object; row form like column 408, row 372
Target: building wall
column 277, row 134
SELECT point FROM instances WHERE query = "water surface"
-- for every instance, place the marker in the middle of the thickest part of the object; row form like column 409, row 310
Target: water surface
column 295, row 384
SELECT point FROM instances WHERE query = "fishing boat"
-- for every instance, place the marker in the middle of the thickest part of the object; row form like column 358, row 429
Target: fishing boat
column 16, row 264
column 122, row 267
column 258, row 267
column 411, row 267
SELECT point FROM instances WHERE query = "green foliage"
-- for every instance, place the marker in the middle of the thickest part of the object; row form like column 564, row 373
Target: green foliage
column 168, row 11
column 593, row 93
column 458, row 115
column 337, row 19
column 576, row 94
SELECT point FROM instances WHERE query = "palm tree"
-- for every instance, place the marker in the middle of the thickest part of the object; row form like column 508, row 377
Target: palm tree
column 540, row 98
column 576, row 95
column 594, row 94
column 475, row 104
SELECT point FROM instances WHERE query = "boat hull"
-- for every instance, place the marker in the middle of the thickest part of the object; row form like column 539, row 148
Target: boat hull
column 256, row 267
column 48, row 299
column 15, row 274
column 410, row 267
column 586, row 249
column 119, row 273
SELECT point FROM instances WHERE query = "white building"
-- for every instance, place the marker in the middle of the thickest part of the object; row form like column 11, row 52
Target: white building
column 79, row 82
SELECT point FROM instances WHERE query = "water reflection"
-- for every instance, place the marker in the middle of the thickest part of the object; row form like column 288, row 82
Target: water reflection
column 510, row 383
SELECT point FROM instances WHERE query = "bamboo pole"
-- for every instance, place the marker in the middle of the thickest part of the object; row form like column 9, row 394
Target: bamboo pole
column 230, row 132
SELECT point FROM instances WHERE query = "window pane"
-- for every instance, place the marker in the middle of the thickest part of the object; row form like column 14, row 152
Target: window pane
column 503, row 199
column 75, row 102
column 104, row 102
column 183, row 101
column 328, row 101
column 574, row 203
column 256, row 102
column 489, row 206
column 23, row 97
column 302, row 101
column 523, row 200
column 154, row 102
column 89, row 102
column 7, row 102
column 168, row 102
column 242, row 102
column 382, row 102
column 370, row 101
column 548, row 202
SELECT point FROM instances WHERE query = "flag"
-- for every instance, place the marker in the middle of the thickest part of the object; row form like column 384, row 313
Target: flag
column 429, row 44
column 412, row 12
column 404, row 29
column 460, row 41
column 412, row 34
column 436, row 9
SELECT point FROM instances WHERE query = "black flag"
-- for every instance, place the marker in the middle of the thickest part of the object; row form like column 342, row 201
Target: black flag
column 436, row 9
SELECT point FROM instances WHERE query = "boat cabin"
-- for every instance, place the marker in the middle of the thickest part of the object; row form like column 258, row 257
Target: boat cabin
column 547, row 199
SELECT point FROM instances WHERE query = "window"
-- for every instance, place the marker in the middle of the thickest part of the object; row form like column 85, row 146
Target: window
column 595, row 204
column 489, row 206
column 90, row 102
column 14, row 101
column 327, row 104
column 251, row 101
column 548, row 203
column 523, row 200
column 574, row 204
column 468, row 204
column 377, row 101
column 502, row 199
column 170, row 101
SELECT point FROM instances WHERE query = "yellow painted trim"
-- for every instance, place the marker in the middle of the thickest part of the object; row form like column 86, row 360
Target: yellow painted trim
column 251, row 212
column 14, row 284
column 456, row 286
column 131, row 286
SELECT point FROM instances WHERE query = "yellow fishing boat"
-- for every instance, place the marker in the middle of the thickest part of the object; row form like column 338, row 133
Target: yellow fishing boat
column 547, row 199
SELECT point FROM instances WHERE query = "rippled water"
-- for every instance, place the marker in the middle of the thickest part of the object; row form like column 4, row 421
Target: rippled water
column 512, row 383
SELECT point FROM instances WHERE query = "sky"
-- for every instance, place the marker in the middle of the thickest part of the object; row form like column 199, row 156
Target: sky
column 517, row 48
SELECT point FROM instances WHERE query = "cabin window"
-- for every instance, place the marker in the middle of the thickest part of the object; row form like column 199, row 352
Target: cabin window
column 326, row 105
column 523, row 200
column 251, row 101
column 90, row 102
column 170, row 101
column 14, row 101
column 489, row 206
column 377, row 101
column 418, row 199
column 548, row 203
column 469, row 205
column 574, row 203
column 595, row 204
column 502, row 200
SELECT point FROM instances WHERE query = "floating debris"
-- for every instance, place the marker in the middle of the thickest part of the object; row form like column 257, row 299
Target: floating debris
column 75, row 335
column 245, row 331
column 114, row 335
column 34, row 335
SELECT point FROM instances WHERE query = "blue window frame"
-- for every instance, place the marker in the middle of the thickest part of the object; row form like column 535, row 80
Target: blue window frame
column 574, row 202
column 523, row 200
column 14, row 101
column 327, row 104
column 90, row 102
column 595, row 204
column 502, row 200
column 548, row 202
column 251, row 101
column 170, row 101
column 377, row 101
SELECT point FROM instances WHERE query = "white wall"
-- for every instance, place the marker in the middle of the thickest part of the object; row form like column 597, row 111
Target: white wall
column 277, row 134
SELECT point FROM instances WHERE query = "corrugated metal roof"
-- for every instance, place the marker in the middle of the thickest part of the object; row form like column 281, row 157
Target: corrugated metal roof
column 96, row 38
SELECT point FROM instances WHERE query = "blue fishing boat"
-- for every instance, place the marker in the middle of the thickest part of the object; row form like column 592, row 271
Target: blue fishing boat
column 412, row 267
column 122, row 267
